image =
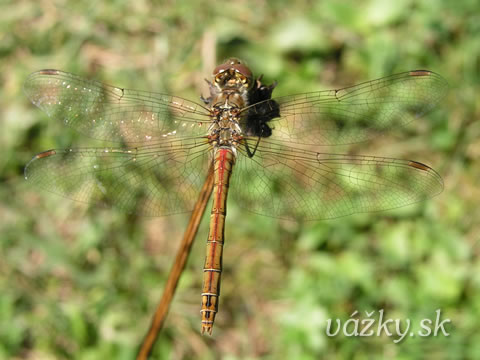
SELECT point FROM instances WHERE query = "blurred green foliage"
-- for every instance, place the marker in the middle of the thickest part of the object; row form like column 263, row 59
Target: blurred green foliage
column 80, row 282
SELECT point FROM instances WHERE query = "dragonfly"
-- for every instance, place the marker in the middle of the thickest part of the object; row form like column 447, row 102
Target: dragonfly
column 157, row 149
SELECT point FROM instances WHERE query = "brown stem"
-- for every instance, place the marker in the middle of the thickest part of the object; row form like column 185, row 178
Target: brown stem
column 177, row 268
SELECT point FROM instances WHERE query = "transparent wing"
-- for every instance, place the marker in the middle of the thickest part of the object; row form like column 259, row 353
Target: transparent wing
column 158, row 179
column 110, row 113
column 352, row 114
column 290, row 183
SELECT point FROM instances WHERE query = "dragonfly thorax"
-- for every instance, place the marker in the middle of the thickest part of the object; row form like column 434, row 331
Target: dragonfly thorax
column 225, row 129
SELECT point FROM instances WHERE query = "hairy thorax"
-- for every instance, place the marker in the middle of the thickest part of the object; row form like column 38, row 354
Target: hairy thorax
column 232, row 91
column 228, row 95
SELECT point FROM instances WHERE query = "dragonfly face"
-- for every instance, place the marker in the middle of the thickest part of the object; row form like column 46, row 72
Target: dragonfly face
column 233, row 74
column 268, row 151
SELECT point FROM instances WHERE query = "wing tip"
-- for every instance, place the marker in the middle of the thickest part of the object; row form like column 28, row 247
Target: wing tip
column 41, row 155
column 42, row 72
column 426, row 168
column 30, row 82
column 428, row 73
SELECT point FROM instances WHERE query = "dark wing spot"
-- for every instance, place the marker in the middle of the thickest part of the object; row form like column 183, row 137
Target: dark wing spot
column 48, row 72
column 45, row 154
column 419, row 165
column 420, row 73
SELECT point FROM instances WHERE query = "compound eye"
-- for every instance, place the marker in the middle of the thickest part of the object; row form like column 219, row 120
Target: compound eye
column 234, row 64
column 244, row 70
column 220, row 69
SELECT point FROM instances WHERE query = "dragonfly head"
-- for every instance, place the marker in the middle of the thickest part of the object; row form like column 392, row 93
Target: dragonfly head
column 232, row 74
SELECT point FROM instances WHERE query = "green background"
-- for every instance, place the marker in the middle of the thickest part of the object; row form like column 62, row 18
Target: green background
column 81, row 282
